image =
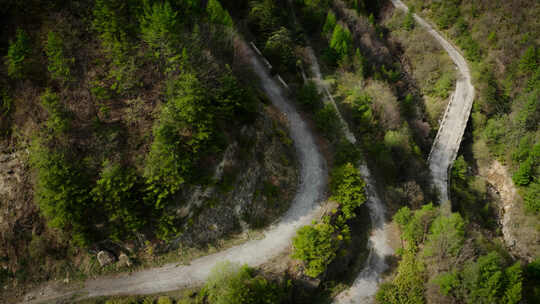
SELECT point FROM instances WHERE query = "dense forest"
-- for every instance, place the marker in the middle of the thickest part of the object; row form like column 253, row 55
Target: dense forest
column 139, row 133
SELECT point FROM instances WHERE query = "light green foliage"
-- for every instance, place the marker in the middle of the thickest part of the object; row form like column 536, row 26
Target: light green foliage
column 443, row 85
column 529, row 62
column 409, row 23
column 408, row 285
column 527, row 168
column 485, row 281
column 446, row 237
column 111, row 27
column 181, row 133
column 348, row 189
column 523, row 175
column 232, row 284
column 308, row 96
column 218, row 14
column 59, row 63
column 341, row 40
column 529, row 115
column 448, row 283
column 459, row 169
column 115, row 21
column 116, row 194
column 279, row 48
column 17, row 56
column 414, row 227
column 61, row 191
column 159, row 27
column 359, row 63
column 58, row 119
column 328, row 121
column 330, row 23
column 164, row 300
column 402, row 217
column 316, row 246
column 532, row 196
column 398, row 139
column 264, row 14
column 362, row 112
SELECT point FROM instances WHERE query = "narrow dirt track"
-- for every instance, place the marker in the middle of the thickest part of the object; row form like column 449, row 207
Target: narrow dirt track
column 453, row 124
column 305, row 206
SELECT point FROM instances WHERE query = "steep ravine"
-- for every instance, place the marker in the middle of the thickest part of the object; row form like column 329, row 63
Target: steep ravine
column 442, row 155
column 305, row 206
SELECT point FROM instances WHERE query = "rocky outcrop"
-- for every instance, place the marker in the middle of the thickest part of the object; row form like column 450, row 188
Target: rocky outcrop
column 105, row 258
column 251, row 186
column 123, row 260
column 518, row 229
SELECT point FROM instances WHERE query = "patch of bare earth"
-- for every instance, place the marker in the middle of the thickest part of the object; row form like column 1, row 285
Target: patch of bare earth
column 519, row 230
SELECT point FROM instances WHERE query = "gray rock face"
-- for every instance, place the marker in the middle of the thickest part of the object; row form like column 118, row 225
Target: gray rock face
column 105, row 258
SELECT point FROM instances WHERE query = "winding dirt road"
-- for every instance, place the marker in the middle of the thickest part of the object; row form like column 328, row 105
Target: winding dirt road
column 446, row 145
column 304, row 208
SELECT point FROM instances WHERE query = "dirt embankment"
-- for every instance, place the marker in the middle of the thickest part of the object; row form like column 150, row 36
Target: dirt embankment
column 519, row 229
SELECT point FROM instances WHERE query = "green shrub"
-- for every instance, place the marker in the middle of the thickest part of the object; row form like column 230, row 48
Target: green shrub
column 341, row 40
column 264, row 15
column 159, row 28
column 59, row 64
column 316, row 246
column 58, row 121
column 180, row 136
column 330, row 23
column 529, row 62
column 532, row 196
column 408, row 22
column 17, row 57
column 116, row 194
column 524, row 174
column 218, row 14
column 328, row 121
column 112, row 26
column 61, row 191
column 232, row 284
column 279, row 49
column 413, row 225
column 485, row 281
column 362, row 113
column 309, row 97
column 446, row 237
column 164, row 300
column 348, row 189
column 443, row 85
column 408, row 285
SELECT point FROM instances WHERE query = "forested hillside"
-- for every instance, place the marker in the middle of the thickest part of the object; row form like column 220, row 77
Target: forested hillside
column 129, row 127
column 144, row 144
